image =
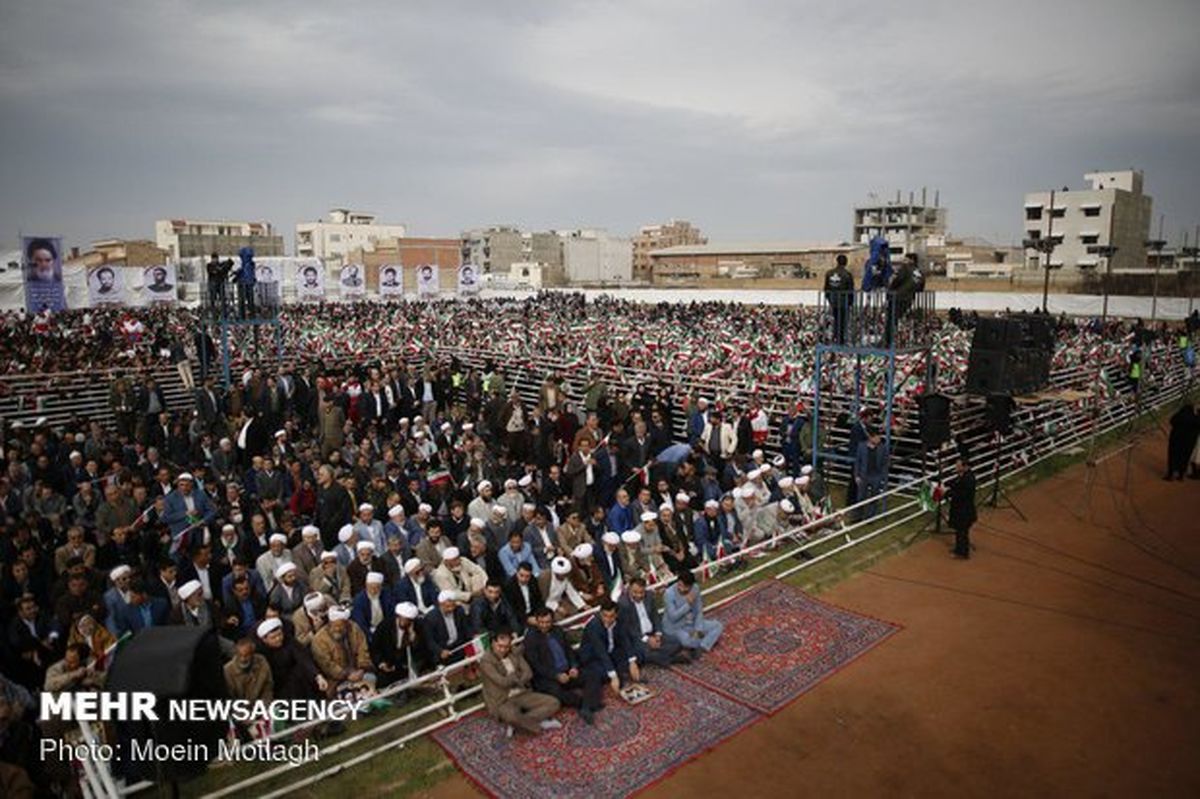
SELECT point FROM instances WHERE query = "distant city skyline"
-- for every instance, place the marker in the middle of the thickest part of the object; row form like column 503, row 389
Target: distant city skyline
column 763, row 121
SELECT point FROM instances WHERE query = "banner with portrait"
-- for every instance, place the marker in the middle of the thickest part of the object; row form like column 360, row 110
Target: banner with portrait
column 106, row 285
column 309, row 279
column 266, row 272
column 391, row 280
column 353, row 280
column 427, row 280
column 42, row 271
column 159, row 283
column 468, row 279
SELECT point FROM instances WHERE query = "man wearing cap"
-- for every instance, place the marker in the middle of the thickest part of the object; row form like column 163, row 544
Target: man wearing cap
column 652, row 544
column 276, row 555
column 417, row 527
column 307, row 554
column 633, row 559
column 288, row 592
column 311, row 616
column 556, row 669
column 491, row 612
column 459, row 576
column 558, row 591
column 194, row 610
column 340, row 651
column 293, row 672
column 608, row 559
column 638, row 616
column 481, row 506
column 187, row 510
column 397, row 649
column 684, row 616
column 368, row 528
column 416, row 587
column 523, row 594
column 512, row 499
column 506, row 676
column 396, row 524
column 498, row 526
column 586, row 576
column 330, row 578
column 372, row 605
column 365, row 561
column 347, row 545
column 447, row 630
column 117, row 597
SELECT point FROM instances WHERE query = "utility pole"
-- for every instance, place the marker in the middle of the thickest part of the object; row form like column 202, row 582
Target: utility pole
column 1105, row 251
column 1044, row 245
column 1156, row 245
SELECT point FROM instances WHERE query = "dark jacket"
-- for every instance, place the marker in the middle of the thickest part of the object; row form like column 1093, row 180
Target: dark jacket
column 961, row 494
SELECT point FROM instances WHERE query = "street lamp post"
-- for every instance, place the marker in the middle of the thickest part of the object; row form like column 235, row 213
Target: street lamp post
column 1045, row 245
column 1105, row 251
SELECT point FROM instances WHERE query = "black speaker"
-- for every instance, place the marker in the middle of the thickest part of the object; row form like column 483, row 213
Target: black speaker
column 999, row 413
column 990, row 334
column 987, row 371
column 172, row 663
column 933, row 415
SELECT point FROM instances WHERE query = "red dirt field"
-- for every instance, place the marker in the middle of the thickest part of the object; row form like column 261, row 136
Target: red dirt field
column 1063, row 659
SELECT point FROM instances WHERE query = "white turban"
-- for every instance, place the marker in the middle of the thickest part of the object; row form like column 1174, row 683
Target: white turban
column 187, row 589
column 268, row 626
column 582, row 551
column 560, row 566
column 407, row 610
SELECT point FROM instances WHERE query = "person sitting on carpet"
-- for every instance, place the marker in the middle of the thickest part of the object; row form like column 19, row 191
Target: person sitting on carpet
column 604, row 650
column 506, row 676
column 642, row 623
column 556, row 668
column 340, row 652
column 685, row 620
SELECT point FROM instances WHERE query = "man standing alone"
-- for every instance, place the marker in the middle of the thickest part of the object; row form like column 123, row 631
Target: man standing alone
column 962, row 507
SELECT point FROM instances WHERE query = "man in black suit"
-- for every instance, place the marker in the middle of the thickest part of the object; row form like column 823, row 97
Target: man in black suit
column 373, row 404
column 556, row 668
column 208, row 404
column 608, row 559
column 523, row 594
column 33, row 644
column 641, row 621
column 492, row 612
column 962, row 507
column 604, row 651
column 398, row 647
column 447, row 630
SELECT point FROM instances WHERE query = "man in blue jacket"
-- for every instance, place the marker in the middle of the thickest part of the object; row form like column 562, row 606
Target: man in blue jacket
column 186, row 510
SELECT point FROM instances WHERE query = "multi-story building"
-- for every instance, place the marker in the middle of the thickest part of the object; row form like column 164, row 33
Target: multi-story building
column 908, row 226
column 408, row 252
column 495, row 249
column 342, row 231
column 1113, row 212
column 593, row 256
column 194, row 238
column 675, row 233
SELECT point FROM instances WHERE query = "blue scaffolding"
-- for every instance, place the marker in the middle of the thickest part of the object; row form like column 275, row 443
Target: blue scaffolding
column 866, row 326
column 243, row 321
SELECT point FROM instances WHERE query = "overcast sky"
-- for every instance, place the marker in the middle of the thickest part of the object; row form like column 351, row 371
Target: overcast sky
column 755, row 120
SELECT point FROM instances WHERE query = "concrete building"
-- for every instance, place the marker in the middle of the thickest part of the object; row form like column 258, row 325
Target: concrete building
column 497, row 248
column 971, row 257
column 675, row 233
column 194, row 238
column 593, row 256
column 908, row 226
column 785, row 263
column 119, row 252
column 1113, row 211
column 342, row 230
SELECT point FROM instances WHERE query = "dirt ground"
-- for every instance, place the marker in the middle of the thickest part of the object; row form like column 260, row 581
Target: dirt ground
column 1063, row 659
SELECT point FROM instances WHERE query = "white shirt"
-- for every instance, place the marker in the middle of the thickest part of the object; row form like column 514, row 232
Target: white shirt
column 451, row 628
column 644, row 618
column 202, row 576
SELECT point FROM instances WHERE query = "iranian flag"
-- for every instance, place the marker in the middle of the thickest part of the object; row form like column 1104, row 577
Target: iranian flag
column 439, row 477
column 705, row 567
column 617, row 588
column 105, row 657
column 476, row 646
column 652, row 578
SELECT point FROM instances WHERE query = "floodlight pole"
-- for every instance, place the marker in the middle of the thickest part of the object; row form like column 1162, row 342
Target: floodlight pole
column 1050, row 239
column 1156, row 245
column 1105, row 251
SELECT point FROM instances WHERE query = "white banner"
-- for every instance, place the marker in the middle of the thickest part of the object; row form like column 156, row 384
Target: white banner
column 158, row 283
column 353, row 280
column 468, row 279
column 391, row 280
column 309, row 279
column 106, row 285
column 427, row 280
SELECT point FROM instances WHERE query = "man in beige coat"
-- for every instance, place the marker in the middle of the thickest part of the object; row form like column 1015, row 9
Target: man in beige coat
column 506, row 676
column 340, row 652
column 459, row 576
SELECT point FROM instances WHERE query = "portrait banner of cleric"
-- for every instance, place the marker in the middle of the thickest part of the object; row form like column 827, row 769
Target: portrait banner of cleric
column 159, row 283
column 42, row 270
column 106, row 285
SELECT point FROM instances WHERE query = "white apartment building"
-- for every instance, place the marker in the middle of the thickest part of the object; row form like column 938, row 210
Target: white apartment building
column 593, row 256
column 1113, row 211
column 342, row 231
column 198, row 238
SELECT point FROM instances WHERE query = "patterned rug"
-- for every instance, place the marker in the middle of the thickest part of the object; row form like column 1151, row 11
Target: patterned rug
column 627, row 748
column 779, row 642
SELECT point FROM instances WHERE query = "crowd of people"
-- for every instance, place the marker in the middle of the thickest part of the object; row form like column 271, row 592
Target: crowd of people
column 351, row 520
